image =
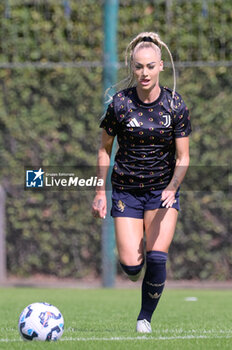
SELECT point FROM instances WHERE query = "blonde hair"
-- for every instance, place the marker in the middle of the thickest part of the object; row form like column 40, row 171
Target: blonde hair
column 144, row 40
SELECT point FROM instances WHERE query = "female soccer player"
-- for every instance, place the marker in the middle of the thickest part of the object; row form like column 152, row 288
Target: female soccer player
column 152, row 125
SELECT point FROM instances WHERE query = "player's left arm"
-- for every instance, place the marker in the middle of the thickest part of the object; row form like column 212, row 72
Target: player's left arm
column 181, row 167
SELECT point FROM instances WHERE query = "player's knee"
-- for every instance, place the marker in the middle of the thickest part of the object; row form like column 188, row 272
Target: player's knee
column 133, row 272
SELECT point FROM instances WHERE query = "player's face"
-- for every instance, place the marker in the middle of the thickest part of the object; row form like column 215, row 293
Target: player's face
column 146, row 67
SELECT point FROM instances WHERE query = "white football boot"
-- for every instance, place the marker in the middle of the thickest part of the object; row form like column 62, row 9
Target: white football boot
column 143, row 326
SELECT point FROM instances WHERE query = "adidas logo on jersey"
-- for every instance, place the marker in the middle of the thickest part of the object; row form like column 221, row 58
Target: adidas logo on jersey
column 133, row 123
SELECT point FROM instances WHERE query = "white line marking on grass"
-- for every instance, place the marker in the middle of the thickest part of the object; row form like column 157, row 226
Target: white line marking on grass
column 191, row 299
column 147, row 338
column 9, row 340
column 185, row 337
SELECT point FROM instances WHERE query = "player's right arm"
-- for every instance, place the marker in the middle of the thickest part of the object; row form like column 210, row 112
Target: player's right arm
column 99, row 206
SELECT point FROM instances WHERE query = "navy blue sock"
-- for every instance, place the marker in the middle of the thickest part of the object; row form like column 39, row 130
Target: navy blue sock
column 132, row 272
column 153, row 283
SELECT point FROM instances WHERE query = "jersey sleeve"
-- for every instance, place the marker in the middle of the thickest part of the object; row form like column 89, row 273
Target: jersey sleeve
column 110, row 122
column 182, row 124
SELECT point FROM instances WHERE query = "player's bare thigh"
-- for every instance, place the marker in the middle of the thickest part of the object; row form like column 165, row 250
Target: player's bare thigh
column 160, row 227
column 129, row 239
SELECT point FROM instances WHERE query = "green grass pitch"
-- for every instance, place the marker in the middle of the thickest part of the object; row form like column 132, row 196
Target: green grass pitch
column 99, row 319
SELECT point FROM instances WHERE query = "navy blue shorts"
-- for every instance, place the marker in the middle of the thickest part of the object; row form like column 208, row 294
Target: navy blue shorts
column 133, row 205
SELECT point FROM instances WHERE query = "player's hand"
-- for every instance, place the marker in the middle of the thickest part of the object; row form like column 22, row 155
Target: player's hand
column 168, row 197
column 99, row 206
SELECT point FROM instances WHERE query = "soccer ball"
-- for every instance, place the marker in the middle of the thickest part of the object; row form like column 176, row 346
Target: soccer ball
column 41, row 321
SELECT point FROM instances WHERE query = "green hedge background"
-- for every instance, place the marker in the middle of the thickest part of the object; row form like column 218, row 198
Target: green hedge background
column 50, row 116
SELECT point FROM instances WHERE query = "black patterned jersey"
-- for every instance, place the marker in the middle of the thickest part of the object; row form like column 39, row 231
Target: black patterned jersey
column 146, row 134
